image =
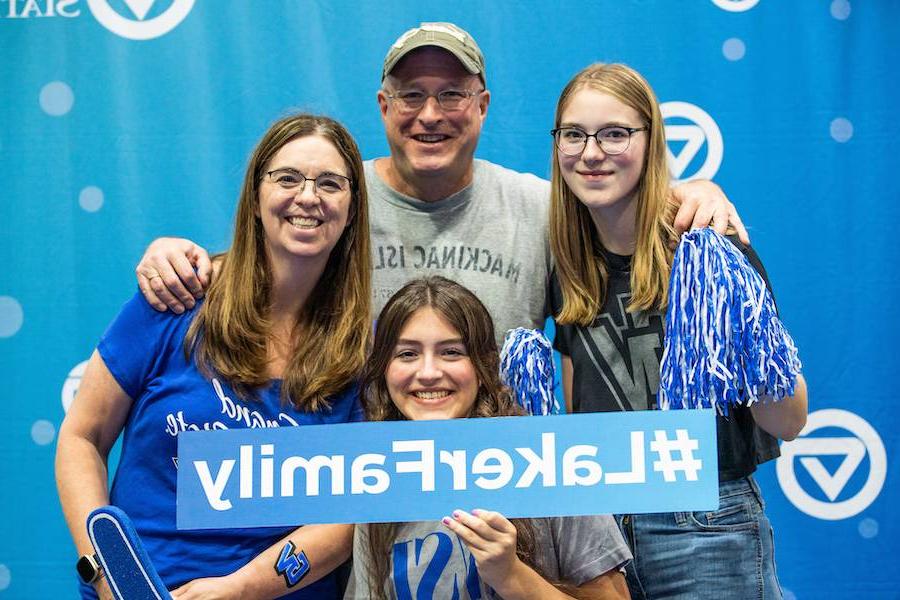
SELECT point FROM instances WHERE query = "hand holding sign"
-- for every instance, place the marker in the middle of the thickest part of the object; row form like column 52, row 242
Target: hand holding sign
column 434, row 365
column 491, row 538
column 600, row 463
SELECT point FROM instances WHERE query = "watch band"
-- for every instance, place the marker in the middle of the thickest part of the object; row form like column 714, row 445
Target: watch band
column 89, row 570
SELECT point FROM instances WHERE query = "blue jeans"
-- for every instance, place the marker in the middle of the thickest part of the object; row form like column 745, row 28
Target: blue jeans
column 727, row 553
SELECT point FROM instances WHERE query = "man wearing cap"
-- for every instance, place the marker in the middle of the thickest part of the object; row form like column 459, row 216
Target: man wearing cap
column 434, row 208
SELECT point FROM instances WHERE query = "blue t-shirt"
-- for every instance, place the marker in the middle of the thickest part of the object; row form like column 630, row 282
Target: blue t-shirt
column 144, row 351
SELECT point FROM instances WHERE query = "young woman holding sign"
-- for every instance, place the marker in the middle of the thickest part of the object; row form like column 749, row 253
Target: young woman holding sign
column 610, row 232
column 435, row 357
column 279, row 341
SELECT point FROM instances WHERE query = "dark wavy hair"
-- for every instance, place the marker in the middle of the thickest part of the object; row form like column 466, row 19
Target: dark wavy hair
column 464, row 312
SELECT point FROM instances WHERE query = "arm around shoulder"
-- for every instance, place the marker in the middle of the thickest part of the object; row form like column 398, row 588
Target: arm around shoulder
column 702, row 203
column 173, row 273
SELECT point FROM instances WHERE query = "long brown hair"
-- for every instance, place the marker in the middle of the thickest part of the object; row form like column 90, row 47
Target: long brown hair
column 230, row 333
column 574, row 241
column 464, row 312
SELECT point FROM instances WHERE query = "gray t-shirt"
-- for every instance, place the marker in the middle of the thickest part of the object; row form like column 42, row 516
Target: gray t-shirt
column 492, row 237
column 430, row 561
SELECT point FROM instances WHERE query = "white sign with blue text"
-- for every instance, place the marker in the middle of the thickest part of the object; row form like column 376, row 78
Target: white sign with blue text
column 629, row 462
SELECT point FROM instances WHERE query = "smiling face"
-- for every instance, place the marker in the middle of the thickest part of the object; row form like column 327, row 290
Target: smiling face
column 303, row 224
column 602, row 181
column 430, row 375
column 432, row 142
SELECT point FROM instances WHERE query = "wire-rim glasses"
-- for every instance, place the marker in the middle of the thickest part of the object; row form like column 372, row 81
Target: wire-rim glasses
column 449, row 100
column 324, row 184
column 571, row 141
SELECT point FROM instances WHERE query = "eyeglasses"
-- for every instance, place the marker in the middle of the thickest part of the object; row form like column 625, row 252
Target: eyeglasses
column 449, row 100
column 613, row 140
column 324, row 184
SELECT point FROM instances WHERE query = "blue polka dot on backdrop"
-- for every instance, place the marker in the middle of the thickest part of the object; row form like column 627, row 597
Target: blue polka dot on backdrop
column 840, row 9
column 841, row 130
column 56, row 98
column 11, row 316
column 868, row 528
column 5, row 577
column 91, row 198
column 734, row 49
column 43, row 432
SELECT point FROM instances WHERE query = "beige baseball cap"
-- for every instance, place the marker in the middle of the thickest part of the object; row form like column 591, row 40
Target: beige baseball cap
column 448, row 36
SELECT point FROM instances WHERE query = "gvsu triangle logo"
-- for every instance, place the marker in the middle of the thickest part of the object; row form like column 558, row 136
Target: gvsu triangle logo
column 736, row 5
column 136, row 25
column 807, row 459
column 688, row 129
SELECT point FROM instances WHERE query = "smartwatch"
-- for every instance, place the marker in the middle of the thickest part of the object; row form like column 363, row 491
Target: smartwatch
column 89, row 570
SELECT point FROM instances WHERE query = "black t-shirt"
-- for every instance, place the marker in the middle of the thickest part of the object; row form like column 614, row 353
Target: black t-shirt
column 616, row 367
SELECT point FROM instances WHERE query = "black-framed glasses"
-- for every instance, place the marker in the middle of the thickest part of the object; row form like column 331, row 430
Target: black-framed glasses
column 324, row 184
column 449, row 100
column 612, row 140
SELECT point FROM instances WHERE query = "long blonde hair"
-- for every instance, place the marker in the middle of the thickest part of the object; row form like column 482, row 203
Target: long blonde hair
column 230, row 334
column 580, row 268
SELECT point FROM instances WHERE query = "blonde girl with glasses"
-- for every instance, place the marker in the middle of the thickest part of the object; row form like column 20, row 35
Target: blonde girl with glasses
column 611, row 236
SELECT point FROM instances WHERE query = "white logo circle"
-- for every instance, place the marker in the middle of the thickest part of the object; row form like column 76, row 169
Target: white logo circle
column 736, row 5
column 865, row 440
column 704, row 129
column 70, row 387
column 140, row 29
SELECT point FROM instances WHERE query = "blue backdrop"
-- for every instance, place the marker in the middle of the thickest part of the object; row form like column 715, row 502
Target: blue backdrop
column 123, row 120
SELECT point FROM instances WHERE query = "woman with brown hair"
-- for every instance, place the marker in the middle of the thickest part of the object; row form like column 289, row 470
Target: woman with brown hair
column 610, row 233
column 435, row 357
column 279, row 341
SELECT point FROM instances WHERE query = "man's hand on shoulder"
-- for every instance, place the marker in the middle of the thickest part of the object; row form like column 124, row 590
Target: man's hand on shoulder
column 173, row 273
column 702, row 203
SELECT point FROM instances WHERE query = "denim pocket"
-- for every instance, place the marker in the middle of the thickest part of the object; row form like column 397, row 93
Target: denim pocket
column 737, row 513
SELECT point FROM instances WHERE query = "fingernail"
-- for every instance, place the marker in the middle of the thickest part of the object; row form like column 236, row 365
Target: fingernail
column 456, row 514
column 178, row 309
column 445, row 520
column 190, row 304
column 476, row 511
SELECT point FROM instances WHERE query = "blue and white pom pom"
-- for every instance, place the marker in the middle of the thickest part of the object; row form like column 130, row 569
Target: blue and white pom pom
column 725, row 344
column 526, row 367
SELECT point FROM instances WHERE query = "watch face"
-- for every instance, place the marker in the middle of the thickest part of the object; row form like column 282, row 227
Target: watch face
column 87, row 569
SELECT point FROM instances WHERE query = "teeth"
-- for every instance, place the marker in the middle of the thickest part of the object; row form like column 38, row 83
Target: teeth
column 304, row 222
column 430, row 138
column 432, row 395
